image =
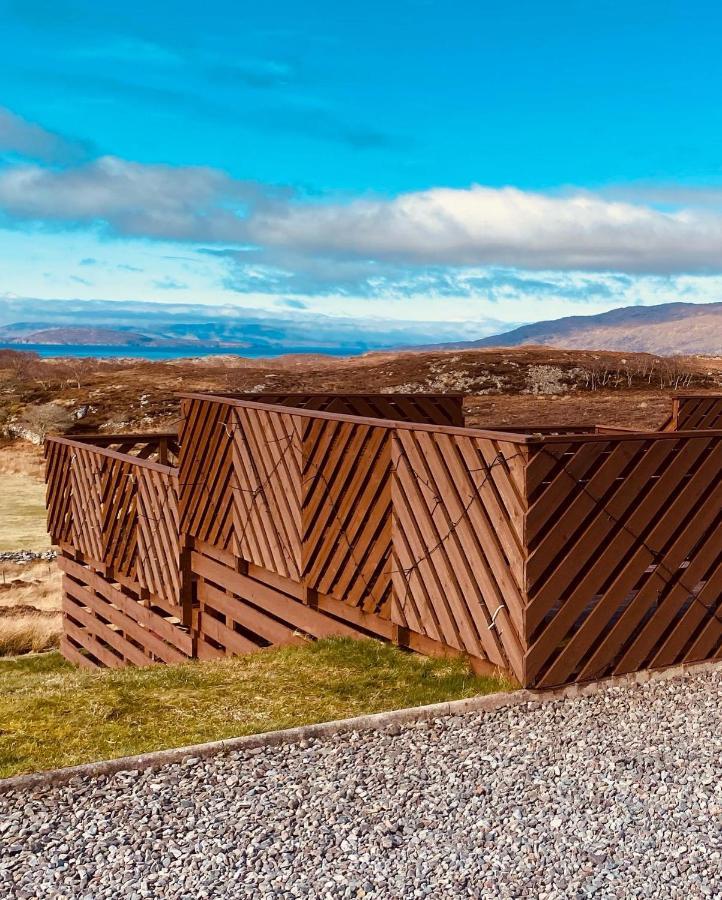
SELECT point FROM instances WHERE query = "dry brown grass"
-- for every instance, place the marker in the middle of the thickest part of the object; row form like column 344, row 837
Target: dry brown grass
column 30, row 601
column 22, row 458
column 138, row 395
column 22, row 513
column 29, row 633
column 35, row 585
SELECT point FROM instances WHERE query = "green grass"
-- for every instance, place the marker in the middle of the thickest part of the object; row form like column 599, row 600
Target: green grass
column 22, row 513
column 52, row 714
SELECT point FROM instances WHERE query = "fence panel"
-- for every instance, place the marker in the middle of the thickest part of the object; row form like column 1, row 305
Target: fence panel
column 107, row 625
column 205, row 473
column 119, row 515
column 57, row 492
column 158, row 536
column 623, row 542
column 347, row 512
column 86, row 503
column 560, row 556
column 458, row 558
column 266, row 488
column 697, row 411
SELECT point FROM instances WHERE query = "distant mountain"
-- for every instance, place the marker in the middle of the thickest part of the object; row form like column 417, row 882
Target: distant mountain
column 204, row 328
column 19, row 333
column 81, row 335
column 667, row 329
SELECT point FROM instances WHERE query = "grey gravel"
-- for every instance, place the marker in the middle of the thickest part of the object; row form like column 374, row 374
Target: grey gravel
column 616, row 795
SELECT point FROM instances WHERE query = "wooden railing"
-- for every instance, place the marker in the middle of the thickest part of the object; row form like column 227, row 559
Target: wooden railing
column 161, row 447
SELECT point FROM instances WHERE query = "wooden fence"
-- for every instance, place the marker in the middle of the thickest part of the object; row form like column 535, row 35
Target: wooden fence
column 557, row 556
column 432, row 409
column 696, row 411
column 114, row 517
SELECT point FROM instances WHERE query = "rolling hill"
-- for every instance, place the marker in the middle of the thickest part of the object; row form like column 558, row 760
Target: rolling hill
column 667, row 329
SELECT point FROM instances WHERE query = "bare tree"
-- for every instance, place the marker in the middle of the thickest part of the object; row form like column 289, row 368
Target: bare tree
column 42, row 419
column 77, row 370
column 24, row 365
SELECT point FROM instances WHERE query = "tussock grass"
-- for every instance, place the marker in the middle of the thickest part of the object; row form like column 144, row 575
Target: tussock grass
column 55, row 715
column 29, row 633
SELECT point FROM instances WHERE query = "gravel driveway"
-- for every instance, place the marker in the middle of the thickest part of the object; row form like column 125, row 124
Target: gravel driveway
column 613, row 796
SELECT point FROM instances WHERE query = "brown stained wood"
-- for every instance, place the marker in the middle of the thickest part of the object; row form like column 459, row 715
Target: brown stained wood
column 439, row 516
column 232, row 642
column 251, row 619
column 104, row 657
column 266, row 455
column 701, row 624
column 108, row 615
column 559, row 555
column 347, row 516
column 698, row 412
column 433, row 409
column 668, row 595
column 169, row 628
column 270, row 600
column 204, row 474
column 367, row 622
column 419, row 603
column 74, row 654
column 91, row 619
column 159, row 552
column 635, row 525
column 581, row 532
column 127, row 624
column 668, row 562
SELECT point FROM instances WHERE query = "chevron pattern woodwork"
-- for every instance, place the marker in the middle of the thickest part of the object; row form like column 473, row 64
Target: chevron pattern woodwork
column 458, row 542
column 559, row 556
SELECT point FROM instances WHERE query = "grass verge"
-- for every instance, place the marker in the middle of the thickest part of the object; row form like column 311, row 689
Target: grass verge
column 52, row 714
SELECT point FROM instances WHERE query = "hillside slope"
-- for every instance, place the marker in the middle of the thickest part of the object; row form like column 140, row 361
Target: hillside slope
column 667, row 329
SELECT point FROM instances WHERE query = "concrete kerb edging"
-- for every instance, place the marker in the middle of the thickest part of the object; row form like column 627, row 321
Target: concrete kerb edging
column 377, row 721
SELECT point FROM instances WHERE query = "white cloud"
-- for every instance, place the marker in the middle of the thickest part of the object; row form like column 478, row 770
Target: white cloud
column 505, row 226
column 23, row 138
column 361, row 240
column 157, row 201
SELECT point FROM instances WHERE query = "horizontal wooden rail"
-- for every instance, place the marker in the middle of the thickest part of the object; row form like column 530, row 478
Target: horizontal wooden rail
column 105, row 438
column 429, row 408
column 112, row 454
column 345, row 417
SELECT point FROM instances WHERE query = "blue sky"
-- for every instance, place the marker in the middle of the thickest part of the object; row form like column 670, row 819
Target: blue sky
column 476, row 163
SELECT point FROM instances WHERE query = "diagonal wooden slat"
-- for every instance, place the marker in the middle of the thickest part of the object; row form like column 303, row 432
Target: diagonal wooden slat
column 432, row 409
column 266, row 454
column 433, row 509
column 347, row 513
